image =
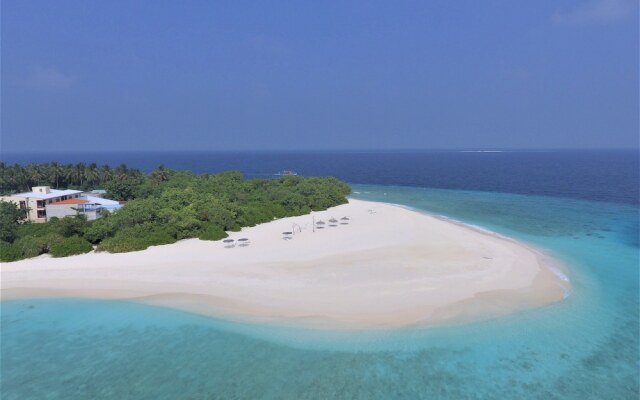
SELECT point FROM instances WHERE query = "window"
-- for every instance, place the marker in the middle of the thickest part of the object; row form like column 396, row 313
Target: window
column 42, row 214
column 23, row 205
column 40, row 204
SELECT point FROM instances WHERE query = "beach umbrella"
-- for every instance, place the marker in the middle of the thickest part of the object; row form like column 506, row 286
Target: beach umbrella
column 287, row 235
column 345, row 218
column 243, row 242
column 320, row 223
column 333, row 220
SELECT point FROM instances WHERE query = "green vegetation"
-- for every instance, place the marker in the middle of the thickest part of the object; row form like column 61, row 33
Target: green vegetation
column 166, row 206
column 69, row 247
column 16, row 178
column 10, row 215
column 58, row 237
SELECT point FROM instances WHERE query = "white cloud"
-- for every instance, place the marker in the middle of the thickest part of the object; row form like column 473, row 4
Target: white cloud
column 596, row 12
column 48, row 78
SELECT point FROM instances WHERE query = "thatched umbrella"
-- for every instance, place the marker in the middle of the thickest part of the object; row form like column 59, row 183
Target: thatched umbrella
column 287, row 235
column 243, row 242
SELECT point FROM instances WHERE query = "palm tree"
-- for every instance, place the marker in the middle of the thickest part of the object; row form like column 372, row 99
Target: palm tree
column 34, row 174
column 79, row 174
column 56, row 171
column 160, row 175
column 69, row 174
column 122, row 171
column 3, row 177
column 17, row 179
column 92, row 174
column 106, row 173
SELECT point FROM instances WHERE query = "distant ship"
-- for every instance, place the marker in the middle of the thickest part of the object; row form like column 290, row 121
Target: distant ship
column 287, row 173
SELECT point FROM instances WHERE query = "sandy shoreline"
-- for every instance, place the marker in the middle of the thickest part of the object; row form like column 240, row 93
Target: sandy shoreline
column 386, row 266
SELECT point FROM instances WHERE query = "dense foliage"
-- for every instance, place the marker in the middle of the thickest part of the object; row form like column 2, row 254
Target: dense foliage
column 70, row 246
column 58, row 237
column 10, row 215
column 17, row 178
column 167, row 206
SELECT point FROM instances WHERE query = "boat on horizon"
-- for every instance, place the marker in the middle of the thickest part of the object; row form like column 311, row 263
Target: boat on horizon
column 287, row 173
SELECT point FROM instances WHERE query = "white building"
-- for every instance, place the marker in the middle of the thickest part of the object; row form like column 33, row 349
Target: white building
column 44, row 203
column 102, row 202
column 36, row 201
column 70, row 207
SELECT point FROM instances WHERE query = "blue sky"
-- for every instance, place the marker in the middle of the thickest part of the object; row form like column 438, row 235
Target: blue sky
column 181, row 75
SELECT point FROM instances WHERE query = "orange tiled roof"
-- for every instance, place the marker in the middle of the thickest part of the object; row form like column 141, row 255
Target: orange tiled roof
column 70, row 201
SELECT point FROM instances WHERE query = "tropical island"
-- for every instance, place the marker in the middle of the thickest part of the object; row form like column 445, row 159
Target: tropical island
column 161, row 207
column 295, row 250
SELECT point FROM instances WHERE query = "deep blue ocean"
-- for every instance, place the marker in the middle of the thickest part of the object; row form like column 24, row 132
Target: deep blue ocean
column 580, row 206
column 610, row 175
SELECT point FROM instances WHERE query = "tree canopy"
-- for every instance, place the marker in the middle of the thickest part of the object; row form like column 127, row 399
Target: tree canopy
column 17, row 178
column 167, row 205
column 10, row 216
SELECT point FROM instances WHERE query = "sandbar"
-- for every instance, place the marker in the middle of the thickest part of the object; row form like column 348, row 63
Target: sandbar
column 384, row 267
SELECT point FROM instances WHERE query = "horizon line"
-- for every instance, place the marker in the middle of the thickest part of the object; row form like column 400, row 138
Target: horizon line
column 372, row 150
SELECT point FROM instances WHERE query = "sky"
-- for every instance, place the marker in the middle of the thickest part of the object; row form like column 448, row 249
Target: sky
column 274, row 75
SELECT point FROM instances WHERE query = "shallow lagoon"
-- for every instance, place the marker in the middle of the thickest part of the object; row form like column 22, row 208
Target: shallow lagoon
column 586, row 347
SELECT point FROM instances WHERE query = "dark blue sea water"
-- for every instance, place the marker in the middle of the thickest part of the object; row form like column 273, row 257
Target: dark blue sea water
column 601, row 175
column 580, row 207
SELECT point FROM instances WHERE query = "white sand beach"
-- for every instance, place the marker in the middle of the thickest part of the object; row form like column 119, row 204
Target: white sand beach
column 386, row 266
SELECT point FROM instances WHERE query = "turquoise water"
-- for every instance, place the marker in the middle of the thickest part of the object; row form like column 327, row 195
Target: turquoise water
column 586, row 347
